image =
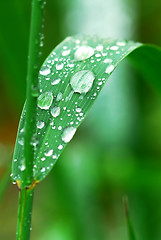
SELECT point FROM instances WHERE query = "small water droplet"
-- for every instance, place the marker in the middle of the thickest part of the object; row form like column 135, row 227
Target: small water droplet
column 60, row 147
column 69, row 96
column 40, row 124
column 82, row 81
column 21, row 140
column 99, row 48
column 109, row 69
column 107, row 60
column 45, row 71
column 43, row 169
column 55, row 111
column 115, row 48
column 97, row 55
column 83, row 52
column 34, row 140
column 55, row 81
column 59, row 66
column 48, row 153
column 22, row 167
column 54, row 156
column 45, row 100
column 68, row 134
column 121, row 43
column 59, row 97
column 71, row 65
column 66, row 52
column 78, row 110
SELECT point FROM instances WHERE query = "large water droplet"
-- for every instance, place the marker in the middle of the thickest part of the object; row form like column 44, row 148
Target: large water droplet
column 44, row 71
column 83, row 52
column 82, row 81
column 55, row 111
column 68, row 134
column 45, row 100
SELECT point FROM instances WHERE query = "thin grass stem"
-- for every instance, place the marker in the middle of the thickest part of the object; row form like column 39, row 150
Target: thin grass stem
column 26, row 191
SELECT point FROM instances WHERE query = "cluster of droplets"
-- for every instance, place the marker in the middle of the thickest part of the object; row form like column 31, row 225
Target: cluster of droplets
column 55, row 72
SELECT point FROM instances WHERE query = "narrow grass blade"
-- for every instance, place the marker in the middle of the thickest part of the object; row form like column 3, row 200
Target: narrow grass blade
column 70, row 80
column 128, row 220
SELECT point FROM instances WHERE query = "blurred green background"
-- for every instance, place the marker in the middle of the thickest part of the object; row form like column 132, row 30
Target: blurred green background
column 117, row 149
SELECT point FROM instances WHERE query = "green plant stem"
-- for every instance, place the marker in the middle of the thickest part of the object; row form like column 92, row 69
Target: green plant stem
column 26, row 192
column 32, row 89
column 24, row 214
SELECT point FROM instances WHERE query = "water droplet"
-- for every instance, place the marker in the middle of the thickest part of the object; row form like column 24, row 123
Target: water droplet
column 121, row 43
column 97, row 55
column 69, row 96
column 99, row 48
column 21, row 139
column 60, row 147
column 83, row 52
column 43, row 169
column 54, row 156
column 40, row 124
column 82, row 81
column 45, row 71
column 71, row 65
column 45, row 100
column 68, row 134
column 48, row 153
column 59, row 97
column 55, row 81
column 22, row 167
column 59, row 66
column 66, row 52
column 34, row 140
column 115, row 48
column 107, row 60
column 55, row 111
column 78, row 110
column 109, row 69
column 22, row 130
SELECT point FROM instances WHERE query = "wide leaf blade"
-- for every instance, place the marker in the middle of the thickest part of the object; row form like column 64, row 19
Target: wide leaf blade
column 69, row 82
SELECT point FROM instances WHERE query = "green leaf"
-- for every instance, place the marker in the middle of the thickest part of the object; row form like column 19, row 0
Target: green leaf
column 69, row 82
